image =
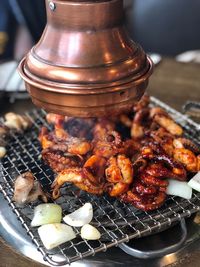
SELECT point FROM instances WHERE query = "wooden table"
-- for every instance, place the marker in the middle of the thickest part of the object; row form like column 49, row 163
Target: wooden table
column 173, row 83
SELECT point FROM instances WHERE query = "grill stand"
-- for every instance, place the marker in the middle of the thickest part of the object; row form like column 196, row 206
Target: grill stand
column 157, row 253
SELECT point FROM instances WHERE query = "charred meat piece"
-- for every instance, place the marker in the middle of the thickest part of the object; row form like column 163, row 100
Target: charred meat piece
column 27, row 189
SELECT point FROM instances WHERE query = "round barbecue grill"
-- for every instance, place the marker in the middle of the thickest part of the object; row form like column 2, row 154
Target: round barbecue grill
column 119, row 223
column 103, row 72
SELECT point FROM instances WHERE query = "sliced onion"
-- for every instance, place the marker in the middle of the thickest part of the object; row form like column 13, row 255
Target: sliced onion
column 180, row 189
column 46, row 214
column 80, row 217
column 53, row 235
column 89, row 232
column 195, row 182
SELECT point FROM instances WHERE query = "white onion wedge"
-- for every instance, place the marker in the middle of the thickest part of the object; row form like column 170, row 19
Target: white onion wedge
column 89, row 232
column 80, row 216
column 53, row 235
column 46, row 214
column 195, row 182
column 180, row 189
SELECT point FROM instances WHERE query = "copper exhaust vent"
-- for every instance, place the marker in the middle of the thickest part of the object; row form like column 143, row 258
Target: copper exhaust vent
column 85, row 64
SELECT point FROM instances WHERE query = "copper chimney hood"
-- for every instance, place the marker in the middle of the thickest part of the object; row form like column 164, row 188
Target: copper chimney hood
column 85, row 64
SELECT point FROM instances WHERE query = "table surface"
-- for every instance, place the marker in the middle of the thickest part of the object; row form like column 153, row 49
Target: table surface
column 172, row 82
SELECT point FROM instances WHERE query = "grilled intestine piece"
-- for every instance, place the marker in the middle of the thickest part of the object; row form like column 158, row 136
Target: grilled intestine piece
column 27, row 189
column 12, row 122
column 22, row 187
column 17, row 122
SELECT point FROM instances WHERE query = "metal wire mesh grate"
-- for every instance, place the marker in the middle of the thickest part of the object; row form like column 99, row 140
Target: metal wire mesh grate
column 117, row 222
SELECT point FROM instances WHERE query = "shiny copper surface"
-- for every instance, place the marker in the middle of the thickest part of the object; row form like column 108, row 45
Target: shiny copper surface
column 85, row 64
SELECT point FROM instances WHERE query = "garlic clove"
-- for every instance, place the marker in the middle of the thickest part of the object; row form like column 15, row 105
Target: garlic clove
column 89, row 232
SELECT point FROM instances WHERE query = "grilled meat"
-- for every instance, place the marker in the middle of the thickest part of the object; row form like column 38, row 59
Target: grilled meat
column 96, row 156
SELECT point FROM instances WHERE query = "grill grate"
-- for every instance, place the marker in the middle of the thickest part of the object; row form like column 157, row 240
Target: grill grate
column 117, row 222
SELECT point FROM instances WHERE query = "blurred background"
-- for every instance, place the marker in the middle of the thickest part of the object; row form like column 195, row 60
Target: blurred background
column 167, row 28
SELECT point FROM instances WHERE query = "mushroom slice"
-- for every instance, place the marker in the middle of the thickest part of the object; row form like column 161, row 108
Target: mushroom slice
column 89, row 232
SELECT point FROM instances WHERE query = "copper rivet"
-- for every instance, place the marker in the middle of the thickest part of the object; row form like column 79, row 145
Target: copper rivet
column 52, row 6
